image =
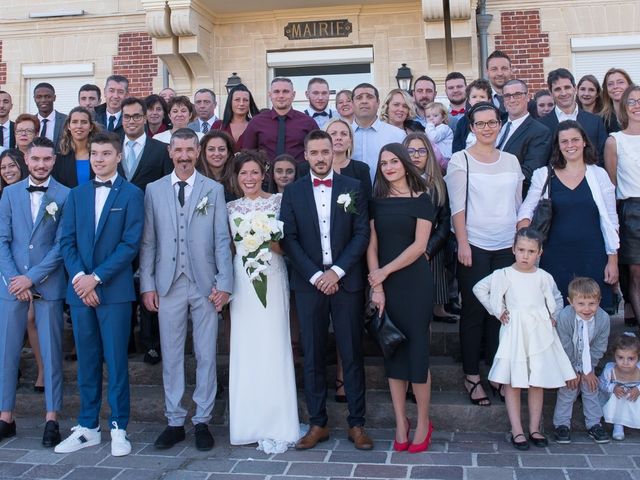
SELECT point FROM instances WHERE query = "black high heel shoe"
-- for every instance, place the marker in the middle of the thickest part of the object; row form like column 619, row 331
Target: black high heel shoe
column 483, row 401
column 497, row 392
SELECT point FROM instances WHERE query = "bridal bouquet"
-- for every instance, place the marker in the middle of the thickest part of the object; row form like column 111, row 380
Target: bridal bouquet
column 254, row 232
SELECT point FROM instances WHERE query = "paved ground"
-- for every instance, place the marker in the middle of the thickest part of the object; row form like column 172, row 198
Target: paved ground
column 463, row 456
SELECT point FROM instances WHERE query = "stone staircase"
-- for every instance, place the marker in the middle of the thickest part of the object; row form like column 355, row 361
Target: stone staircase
column 450, row 407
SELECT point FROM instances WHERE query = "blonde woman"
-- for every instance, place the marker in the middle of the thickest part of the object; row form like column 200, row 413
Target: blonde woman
column 399, row 110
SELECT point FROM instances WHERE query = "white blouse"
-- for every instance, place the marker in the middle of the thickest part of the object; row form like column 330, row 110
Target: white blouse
column 628, row 170
column 495, row 194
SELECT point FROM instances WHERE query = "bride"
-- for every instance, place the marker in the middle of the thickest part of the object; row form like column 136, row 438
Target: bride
column 263, row 405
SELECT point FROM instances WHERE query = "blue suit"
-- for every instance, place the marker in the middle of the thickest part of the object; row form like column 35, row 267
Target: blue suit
column 32, row 249
column 103, row 332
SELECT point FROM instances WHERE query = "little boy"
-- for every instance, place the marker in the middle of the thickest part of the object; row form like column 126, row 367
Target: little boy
column 583, row 328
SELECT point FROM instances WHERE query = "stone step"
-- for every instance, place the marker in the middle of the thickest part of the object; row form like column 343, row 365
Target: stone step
column 450, row 411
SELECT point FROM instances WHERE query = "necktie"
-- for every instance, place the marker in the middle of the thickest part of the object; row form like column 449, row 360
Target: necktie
column 131, row 158
column 282, row 130
column 505, row 134
column 457, row 112
column 320, row 114
column 112, row 123
column 317, row 182
column 182, row 186
column 99, row 184
column 586, row 351
column 43, row 130
column 205, row 127
column 1, row 135
column 36, row 188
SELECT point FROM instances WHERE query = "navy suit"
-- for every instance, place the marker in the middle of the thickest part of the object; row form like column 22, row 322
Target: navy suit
column 592, row 124
column 103, row 332
column 31, row 248
column 101, row 117
column 349, row 240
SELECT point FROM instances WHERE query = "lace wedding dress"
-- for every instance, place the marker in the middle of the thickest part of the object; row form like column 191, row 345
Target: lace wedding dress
column 263, row 405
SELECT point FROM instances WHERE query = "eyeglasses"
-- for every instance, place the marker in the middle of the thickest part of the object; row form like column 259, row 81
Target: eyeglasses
column 490, row 124
column 136, row 118
column 632, row 102
column 25, row 131
column 417, row 151
column 514, row 96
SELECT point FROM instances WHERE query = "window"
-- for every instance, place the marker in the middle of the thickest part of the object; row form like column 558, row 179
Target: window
column 66, row 79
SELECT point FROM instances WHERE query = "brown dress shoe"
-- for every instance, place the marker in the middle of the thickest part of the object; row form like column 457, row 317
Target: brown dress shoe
column 315, row 435
column 360, row 439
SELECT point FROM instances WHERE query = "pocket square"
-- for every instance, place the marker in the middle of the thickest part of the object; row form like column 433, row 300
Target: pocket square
column 116, row 210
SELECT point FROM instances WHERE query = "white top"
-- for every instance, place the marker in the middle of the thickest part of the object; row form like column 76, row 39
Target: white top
column 36, row 197
column 101, row 196
column 566, row 116
column 628, row 170
column 603, row 193
column 4, row 131
column 495, row 194
column 441, row 135
column 165, row 137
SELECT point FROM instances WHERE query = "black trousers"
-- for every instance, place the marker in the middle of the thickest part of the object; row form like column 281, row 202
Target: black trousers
column 475, row 322
column 345, row 309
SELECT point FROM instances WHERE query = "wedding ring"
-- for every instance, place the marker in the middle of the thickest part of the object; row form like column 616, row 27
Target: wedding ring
column 321, row 282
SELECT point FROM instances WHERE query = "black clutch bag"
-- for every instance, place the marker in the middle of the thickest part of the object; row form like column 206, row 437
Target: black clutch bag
column 543, row 213
column 385, row 333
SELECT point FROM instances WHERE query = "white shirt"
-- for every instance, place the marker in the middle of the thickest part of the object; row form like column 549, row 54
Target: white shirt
column 51, row 125
column 321, row 120
column 628, row 169
column 564, row 116
column 5, row 134
column 101, row 196
column 187, row 189
column 514, row 126
column 322, row 197
column 36, row 197
column 368, row 141
column 115, row 121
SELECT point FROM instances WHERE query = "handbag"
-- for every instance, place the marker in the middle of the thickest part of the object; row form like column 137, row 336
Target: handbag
column 383, row 330
column 543, row 213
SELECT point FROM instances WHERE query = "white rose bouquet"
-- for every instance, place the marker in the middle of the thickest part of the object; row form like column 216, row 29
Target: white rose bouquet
column 255, row 231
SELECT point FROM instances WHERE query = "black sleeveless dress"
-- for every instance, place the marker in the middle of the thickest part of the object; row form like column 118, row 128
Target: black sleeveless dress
column 408, row 292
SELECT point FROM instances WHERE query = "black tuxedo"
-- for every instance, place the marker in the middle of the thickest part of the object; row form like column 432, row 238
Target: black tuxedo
column 531, row 143
column 592, row 124
column 101, row 117
column 349, row 234
column 153, row 165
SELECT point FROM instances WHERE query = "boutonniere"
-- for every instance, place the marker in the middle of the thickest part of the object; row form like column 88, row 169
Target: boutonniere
column 50, row 210
column 348, row 202
column 203, row 204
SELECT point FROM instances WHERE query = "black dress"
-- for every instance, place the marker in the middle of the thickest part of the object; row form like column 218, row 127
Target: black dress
column 408, row 292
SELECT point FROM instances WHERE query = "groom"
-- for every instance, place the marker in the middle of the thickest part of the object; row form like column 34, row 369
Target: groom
column 326, row 248
column 185, row 266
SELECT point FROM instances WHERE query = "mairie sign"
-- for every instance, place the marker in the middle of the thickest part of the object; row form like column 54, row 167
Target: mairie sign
column 318, row 29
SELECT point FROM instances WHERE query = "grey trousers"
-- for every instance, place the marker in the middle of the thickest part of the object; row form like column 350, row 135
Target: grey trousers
column 564, row 406
column 173, row 317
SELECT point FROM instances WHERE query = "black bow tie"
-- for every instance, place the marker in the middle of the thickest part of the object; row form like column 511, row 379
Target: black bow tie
column 36, row 188
column 320, row 114
column 98, row 184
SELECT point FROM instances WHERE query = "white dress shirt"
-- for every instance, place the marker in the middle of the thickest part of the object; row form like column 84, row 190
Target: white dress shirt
column 187, row 189
column 51, row 125
column 36, row 197
column 115, row 121
column 320, row 119
column 566, row 116
column 101, row 196
column 514, row 126
column 322, row 197
column 4, row 131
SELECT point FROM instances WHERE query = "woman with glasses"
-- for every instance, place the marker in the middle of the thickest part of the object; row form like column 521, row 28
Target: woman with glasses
column 485, row 192
column 72, row 166
column 26, row 128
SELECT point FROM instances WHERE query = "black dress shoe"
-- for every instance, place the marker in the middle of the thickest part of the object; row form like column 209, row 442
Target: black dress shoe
column 7, row 429
column 152, row 356
column 522, row 445
column 453, row 307
column 51, row 436
column 539, row 441
column 169, row 437
column 204, row 439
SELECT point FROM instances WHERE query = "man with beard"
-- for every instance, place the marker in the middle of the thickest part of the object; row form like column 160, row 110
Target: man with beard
column 424, row 92
column 499, row 72
column 455, row 88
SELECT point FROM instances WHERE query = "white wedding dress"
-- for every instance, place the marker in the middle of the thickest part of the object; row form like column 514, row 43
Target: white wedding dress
column 263, row 404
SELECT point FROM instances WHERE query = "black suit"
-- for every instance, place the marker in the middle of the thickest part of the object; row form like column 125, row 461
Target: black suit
column 531, row 143
column 101, row 118
column 592, row 124
column 154, row 163
column 64, row 170
column 349, row 234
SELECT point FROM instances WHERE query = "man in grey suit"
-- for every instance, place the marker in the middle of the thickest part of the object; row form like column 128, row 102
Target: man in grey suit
column 31, row 270
column 185, row 265
column 51, row 121
column 204, row 102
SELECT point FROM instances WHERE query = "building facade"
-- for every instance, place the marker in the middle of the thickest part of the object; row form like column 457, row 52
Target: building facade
column 189, row 44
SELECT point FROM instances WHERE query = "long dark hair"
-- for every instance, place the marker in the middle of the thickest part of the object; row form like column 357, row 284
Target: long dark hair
column 228, row 110
column 557, row 159
column 432, row 172
column 283, row 157
column 66, row 140
column 597, row 106
column 226, row 179
column 381, row 186
column 18, row 158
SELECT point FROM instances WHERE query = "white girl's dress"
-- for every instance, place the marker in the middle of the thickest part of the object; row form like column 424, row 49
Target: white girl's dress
column 530, row 353
column 616, row 410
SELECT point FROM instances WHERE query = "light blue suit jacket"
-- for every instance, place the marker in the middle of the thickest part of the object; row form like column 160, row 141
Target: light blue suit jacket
column 32, row 248
column 109, row 249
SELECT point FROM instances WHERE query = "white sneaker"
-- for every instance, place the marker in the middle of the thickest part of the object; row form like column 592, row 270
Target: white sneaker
column 618, row 433
column 120, row 444
column 81, row 437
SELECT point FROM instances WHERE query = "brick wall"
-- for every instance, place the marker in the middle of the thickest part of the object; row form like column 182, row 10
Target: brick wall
column 523, row 40
column 136, row 61
column 3, row 68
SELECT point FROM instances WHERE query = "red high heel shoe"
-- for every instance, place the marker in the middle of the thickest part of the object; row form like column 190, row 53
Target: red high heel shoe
column 421, row 447
column 401, row 447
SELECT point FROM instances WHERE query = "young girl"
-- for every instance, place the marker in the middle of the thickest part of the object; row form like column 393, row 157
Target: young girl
column 530, row 354
column 437, row 129
column 284, row 172
column 620, row 383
